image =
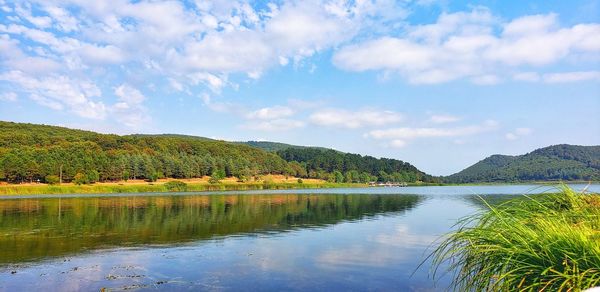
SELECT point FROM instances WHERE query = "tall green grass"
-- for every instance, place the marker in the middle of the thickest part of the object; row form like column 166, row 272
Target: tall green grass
column 537, row 243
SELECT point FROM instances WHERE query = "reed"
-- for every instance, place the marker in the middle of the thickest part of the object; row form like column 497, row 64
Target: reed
column 536, row 243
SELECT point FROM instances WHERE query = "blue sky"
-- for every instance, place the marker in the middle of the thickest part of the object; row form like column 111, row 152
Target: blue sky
column 440, row 84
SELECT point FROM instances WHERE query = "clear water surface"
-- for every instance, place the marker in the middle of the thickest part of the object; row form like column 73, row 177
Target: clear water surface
column 317, row 240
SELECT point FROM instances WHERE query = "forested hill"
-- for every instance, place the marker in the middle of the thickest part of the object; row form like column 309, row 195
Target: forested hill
column 30, row 152
column 559, row 162
column 353, row 166
column 329, row 160
column 270, row 146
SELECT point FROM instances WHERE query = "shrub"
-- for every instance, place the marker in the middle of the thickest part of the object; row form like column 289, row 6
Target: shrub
column 176, row 186
column 300, row 181
column 216, row 176
column 52, row 179
column 92, row 176
column 80, row 179
column 153, row 177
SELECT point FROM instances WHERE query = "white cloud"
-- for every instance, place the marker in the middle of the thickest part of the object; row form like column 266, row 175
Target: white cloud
column 511, row 136
column 565, row 77
column 130, row 110
column 58, row 90
column 488, row 79
column 518, row 133
column 465, row 45
column 527, row 76
column 64, row 20
column 558, row 77
column 523, row 131
column 443, row 119
column 129, row 94
column 46, row 102
column 528, row 25
column 8, row 96
column 400, row 136
column 269, row 113
column 13, row 57
column 354, row 119
column 385, row 53
column 101, row 54
column 24, row 11
column 275, row 125
column 176, row 84
column 397, row 143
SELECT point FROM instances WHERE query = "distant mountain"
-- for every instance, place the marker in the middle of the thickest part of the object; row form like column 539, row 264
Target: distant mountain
column 558, row 162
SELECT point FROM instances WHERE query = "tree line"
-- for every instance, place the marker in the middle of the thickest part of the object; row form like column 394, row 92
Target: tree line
column 32, row 153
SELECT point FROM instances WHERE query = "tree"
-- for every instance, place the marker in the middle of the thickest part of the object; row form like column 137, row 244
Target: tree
column 52, row 179
column 216, row 176
column 352, row 176
column 153, row 177
column 79, row 179
column 338, row 176
column 92, row 176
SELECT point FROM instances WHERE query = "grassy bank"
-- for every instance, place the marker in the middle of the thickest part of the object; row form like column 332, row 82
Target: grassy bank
column 149, row 188
column 538, row 243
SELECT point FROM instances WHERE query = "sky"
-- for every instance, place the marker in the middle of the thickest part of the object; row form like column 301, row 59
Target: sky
column 439, row 84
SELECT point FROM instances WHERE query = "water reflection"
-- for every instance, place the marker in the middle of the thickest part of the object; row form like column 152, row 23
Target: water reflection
column 34, row 229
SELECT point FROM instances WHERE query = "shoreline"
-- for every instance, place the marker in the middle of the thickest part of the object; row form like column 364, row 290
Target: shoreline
column 106, row 189
column 32, row 190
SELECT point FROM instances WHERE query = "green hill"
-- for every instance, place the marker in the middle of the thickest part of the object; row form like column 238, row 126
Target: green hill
column 270, row 146
column 558, row 162
column 30, row 152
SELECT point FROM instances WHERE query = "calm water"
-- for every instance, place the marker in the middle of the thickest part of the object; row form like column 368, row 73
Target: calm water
column 336, row 239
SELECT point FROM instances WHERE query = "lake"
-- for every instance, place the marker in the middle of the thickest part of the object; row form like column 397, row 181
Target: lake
column 324, row 239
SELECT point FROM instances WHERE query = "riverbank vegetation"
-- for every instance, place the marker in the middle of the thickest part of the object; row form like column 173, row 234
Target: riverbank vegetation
column 48, row 154
column 170, row 185
column 538, row 243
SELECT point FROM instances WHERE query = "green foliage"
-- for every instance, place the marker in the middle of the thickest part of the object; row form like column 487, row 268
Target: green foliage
column 29, row 152
column 92, row 176
column 217, row 176
column 559, row 162
column 542, row 243
column 89, row 177
column 338, row 177
column 153, row 177
column 176, row 186
column 80, row 179
column 300, row 181
column 52, row 179
column 318, row 161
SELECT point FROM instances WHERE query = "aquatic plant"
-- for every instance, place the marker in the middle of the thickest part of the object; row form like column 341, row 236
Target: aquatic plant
column 545, row 242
